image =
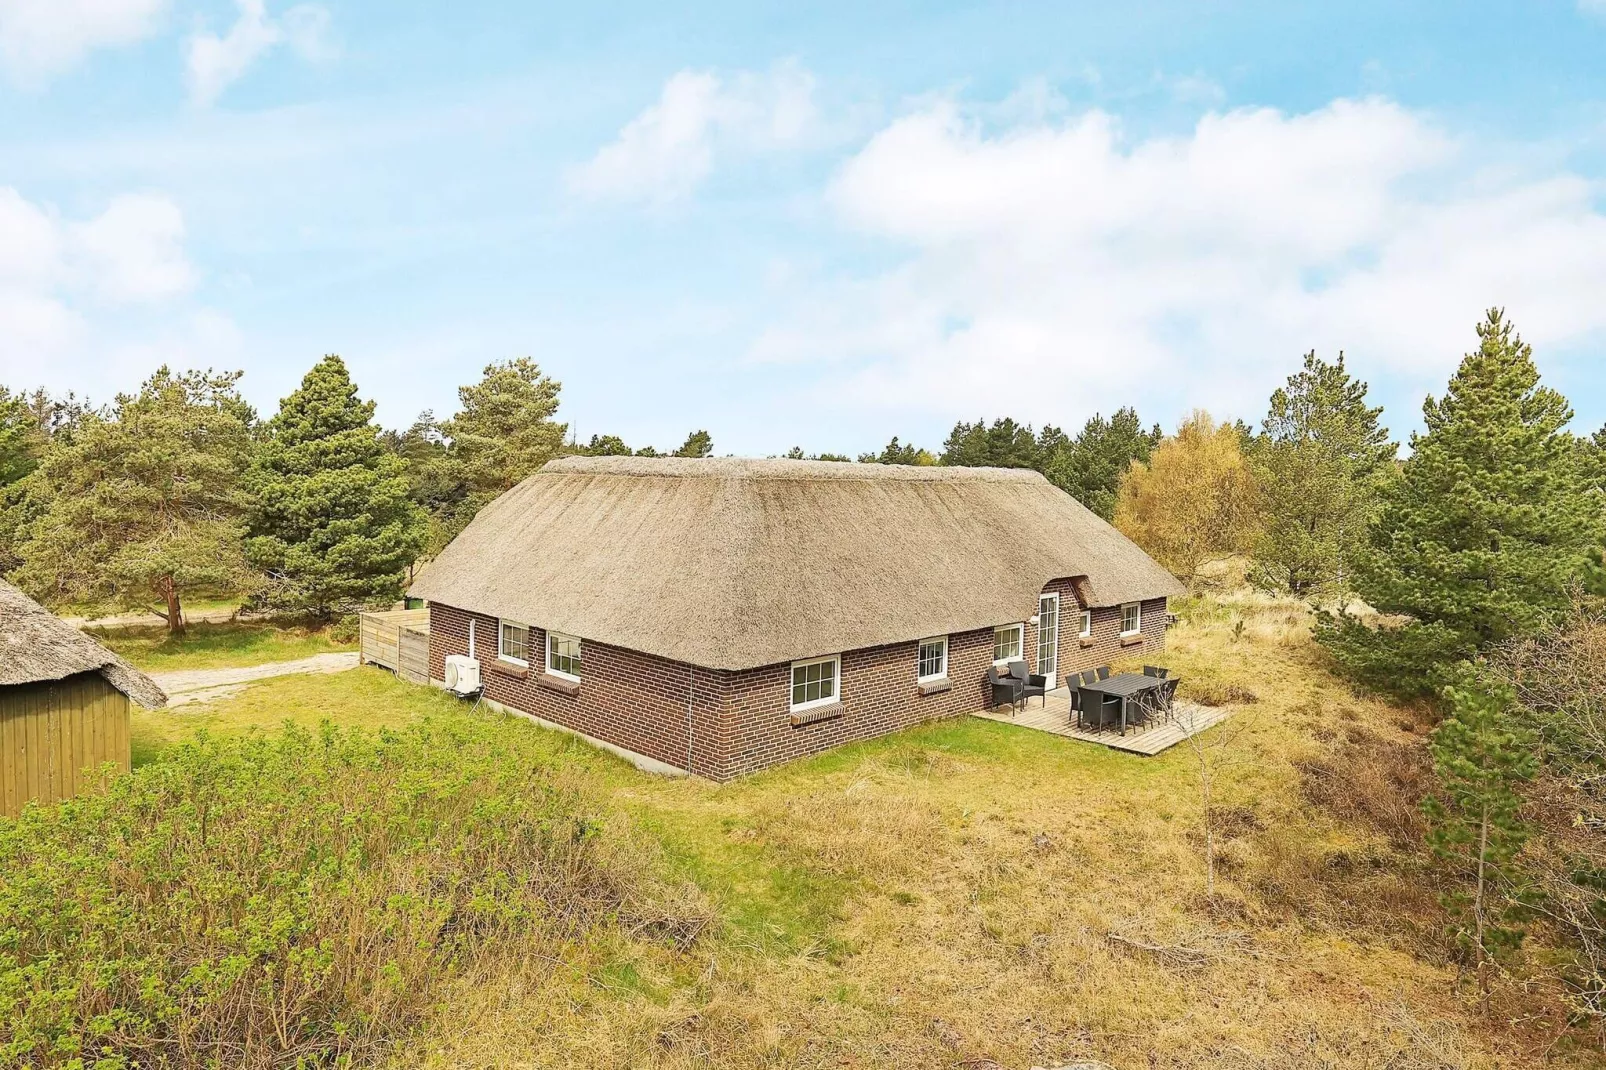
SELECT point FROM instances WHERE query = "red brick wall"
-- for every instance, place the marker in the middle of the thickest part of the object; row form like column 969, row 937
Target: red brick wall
column 632, row 700
column 742, row 721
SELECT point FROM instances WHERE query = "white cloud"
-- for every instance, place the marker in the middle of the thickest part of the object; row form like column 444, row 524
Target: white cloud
column 41, row 38
column 58, row 277
column 216, row 62
column 134, row 250
column 1054, row 268
column 669, row 149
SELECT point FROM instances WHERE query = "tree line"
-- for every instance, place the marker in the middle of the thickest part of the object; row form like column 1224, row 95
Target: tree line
column 179, row 490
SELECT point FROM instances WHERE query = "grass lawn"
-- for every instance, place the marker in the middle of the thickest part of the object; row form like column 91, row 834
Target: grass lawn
column 972, row 891
column 215, row 646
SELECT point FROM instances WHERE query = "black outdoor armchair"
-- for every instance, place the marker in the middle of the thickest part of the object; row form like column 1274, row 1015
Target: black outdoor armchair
column 1005, row 688
column 1031, row 683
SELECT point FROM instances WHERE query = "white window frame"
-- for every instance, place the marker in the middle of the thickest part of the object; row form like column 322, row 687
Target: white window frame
column 942, row 672
column 554, row 637
column 836, row 682
column 1137, row 628
column 1087, row 625
column 1020, row 643
column 501, row 642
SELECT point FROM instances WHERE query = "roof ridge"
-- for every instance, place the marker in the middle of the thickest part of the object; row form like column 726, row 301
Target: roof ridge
column 784, row 468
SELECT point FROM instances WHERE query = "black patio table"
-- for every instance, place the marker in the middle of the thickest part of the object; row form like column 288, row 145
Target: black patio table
column 1124, row 687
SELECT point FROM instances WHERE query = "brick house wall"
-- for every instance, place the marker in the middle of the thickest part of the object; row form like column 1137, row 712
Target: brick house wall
column 742, row 721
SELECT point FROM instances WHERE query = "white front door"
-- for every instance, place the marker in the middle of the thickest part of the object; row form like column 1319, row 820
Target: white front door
column 1048, row 637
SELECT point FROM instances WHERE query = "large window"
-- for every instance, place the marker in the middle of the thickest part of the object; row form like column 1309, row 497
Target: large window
column 933, row 659
column 1131, row 618
column 563, row 655
column 814, row 683
column 1087, row 623
column 1007, row 643
column 513, row 643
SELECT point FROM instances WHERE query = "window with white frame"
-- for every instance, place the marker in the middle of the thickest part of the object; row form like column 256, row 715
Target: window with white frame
column 814, row 682
column 1007, row 643
column 933, row 659
column 1087, row 624
column 1131, row 618
column 513, row 642
column 563, row 655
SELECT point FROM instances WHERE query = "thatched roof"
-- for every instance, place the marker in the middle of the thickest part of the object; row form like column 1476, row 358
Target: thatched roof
column 37, row 646
column 733, row 563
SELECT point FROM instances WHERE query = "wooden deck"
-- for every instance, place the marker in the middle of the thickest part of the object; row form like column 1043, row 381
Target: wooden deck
column 1053, row 714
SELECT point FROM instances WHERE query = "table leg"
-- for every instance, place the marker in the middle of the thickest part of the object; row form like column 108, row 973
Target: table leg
column 1123, row 716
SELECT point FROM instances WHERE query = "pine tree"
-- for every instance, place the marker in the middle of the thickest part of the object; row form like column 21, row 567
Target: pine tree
column 1005, row 444
column 1091, row 467
column 1320, row 461
column 1480, row 756
column 503, row 431
column 143, row 503
column 1488, row 524
column 334, row 527
column 697, row 444
column 896, row 452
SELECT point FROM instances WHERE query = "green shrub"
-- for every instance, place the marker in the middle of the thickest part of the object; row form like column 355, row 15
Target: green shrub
column 293, row 899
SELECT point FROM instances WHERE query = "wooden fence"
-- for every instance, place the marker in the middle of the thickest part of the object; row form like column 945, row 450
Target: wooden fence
column 399, row 640
column 54, row 737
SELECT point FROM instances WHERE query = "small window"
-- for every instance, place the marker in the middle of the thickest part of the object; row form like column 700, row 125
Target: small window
column 814, row 683
column 514, row 642
column 1087, row 623
column 1007, row 643
column 1131, row 618
column 933, row 659
column 563, row 655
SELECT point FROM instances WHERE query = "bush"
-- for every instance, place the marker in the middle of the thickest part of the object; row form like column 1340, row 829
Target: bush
column 293, row 899
column 346, row 630
column 1408, row 660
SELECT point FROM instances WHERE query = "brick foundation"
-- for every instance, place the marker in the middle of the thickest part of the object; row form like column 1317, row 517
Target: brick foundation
column 722, row 724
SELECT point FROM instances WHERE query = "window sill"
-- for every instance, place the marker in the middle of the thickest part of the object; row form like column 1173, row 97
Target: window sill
column 935, row 686
column 1132, row 640
column 507, row 668
column 547, row 682
column 1084, row 641
column 817, row 714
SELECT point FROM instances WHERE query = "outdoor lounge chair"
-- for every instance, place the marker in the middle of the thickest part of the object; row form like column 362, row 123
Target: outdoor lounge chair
column 1005, row 688
column 1031, row 683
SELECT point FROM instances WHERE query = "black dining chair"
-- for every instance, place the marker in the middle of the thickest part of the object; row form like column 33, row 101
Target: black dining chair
column 1152, row 670
column 1005, row 688
column 1090, row 677
column 1031, row 683
column 1073, row 692
column 1098, row 710
column 1104, row 672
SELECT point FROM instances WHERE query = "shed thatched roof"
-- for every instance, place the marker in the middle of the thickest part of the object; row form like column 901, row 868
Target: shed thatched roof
column 733, row 564
column 37, row 646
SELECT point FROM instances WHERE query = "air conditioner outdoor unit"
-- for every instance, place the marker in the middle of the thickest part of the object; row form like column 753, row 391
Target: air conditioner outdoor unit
column 462, row 674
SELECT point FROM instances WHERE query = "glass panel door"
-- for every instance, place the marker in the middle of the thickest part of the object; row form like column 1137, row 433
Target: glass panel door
column 1048, row 637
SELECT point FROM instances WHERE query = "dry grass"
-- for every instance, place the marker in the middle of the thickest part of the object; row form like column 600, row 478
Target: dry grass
column 976, row 891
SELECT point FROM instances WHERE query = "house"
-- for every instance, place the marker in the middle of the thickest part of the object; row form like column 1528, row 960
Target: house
column 724, row 615
column 63, row 704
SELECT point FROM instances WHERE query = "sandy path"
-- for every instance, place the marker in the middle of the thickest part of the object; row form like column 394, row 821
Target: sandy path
column 206, row 685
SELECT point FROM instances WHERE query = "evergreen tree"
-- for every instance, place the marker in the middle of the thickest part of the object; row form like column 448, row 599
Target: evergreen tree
column 1005, row 444
column 1480, row 756
column 896, row 452
column 334, row 527
column 504, row 429
column 1480, row 537
column 697, row 444
column 1320, row 461
column 1091, row 466
column 605, row 446
column 143, row 503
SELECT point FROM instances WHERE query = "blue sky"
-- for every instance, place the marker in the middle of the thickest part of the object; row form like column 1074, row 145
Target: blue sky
column 815, row 225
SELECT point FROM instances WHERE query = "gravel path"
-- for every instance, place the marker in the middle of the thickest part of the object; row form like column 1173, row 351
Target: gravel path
column 206, row 685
